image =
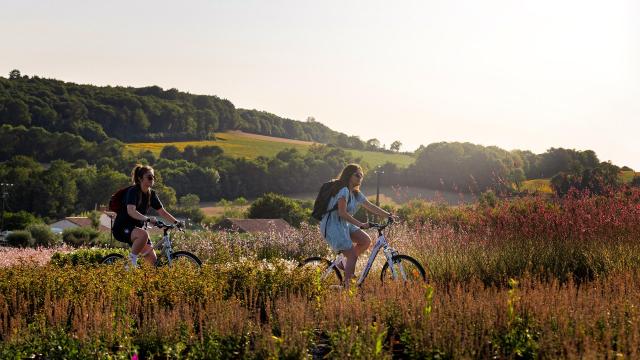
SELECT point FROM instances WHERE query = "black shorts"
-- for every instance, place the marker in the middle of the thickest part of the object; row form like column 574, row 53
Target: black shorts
column 123, row 233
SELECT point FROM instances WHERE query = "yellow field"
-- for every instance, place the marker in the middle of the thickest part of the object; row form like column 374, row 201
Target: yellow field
column 537, row 185
column 627, row 176
column 544, row 185
column 238, row 144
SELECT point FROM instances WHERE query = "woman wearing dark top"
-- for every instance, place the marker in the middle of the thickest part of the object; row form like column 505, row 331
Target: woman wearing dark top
column 129, row 222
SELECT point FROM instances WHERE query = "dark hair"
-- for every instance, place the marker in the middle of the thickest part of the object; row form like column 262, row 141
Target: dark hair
column 138, row 172
column 344, row 177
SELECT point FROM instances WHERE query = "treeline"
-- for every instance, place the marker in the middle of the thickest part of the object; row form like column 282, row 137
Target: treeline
column 289, row 172
column 52, row 183
column 69, row 133
column 211, row 175
column 470, row 168
column 143, row 114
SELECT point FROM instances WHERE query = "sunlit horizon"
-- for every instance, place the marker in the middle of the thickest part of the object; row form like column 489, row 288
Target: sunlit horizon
column 518, row 75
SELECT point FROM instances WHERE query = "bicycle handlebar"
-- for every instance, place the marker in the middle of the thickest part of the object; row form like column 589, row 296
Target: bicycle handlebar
column 161, row 224
column 381, row 227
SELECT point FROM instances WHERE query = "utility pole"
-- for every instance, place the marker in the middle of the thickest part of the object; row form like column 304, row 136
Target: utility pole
column 4, row 193
column 378, row 171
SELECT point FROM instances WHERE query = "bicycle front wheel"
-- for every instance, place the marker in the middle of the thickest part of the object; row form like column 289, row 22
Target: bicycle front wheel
column 185, row 258
column 321, row 266
column 112, row 259
column 406, row 269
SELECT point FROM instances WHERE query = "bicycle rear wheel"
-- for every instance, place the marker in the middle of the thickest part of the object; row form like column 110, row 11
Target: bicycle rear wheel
column 185, row 258
column 112, row 259
column 320, row 265
column 406, row 268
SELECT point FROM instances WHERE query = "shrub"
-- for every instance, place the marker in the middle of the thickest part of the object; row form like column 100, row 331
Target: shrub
column 20, row 238
column 105, row 240
column 274, row 206
column 83, row 256
column 19, row 220
column 80, row 236
column 43, row 236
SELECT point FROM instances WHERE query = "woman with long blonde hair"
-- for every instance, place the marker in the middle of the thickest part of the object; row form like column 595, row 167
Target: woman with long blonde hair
column 342, row 231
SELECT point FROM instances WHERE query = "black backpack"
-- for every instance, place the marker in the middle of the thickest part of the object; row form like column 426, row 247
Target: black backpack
column 322, row 201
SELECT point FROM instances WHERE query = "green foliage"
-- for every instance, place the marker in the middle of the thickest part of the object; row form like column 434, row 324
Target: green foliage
column 597, row 180
column 189, row 200
column 79, row 236
column 464, row 167
column 20, row 238
column 43, row 236
column 488, row 199
column 520, row 338
column 274, row 206
column 90, row 256
column 19, row 220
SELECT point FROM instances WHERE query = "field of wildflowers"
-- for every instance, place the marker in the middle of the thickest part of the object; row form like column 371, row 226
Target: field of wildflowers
column 532, row 277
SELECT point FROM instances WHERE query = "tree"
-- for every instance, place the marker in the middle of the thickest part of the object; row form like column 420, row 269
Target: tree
column 14, row 74
column 94, row 216
column 170, row 152
column 274, row 206
column 373, row 144
column 598, row 180
column 395, row 146
column 189, row 200
column 16, row 112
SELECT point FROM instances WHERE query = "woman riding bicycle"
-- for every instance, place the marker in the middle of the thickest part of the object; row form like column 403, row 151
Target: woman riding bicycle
column 129, row 222
column 341, row 230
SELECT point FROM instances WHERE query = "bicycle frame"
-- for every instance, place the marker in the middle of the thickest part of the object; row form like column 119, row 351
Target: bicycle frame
column 165, row 244
column 388, row 251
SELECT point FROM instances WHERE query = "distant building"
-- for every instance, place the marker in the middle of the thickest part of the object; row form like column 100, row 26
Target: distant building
column 81, row 221
column 254, row 225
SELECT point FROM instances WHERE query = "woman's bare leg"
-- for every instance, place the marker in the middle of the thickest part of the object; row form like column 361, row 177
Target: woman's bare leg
column 361, row 240
column 350, row 266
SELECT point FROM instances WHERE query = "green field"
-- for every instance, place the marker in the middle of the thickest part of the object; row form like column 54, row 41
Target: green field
column 250, row 146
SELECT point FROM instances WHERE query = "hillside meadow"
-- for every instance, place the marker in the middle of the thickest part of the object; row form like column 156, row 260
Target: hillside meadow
column 239, row 144
column 529, row 278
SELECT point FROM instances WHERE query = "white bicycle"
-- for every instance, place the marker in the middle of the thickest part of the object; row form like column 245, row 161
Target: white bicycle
column 165, row 247
column 396, row 267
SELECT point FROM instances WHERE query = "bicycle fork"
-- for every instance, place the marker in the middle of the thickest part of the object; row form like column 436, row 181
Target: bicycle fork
column 164, row 244
column 390, row 254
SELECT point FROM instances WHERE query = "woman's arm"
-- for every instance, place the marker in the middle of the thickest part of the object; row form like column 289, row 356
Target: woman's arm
column 133, row 213
column 375, row 209
column 343, row 213
column 165, row 214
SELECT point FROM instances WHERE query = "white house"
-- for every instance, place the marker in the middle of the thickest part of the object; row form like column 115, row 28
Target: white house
column 82, row 221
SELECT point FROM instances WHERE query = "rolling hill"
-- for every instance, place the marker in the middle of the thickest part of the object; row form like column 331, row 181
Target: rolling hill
column 240, row 144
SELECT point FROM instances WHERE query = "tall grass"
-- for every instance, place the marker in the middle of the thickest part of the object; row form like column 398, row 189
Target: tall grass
column 176, row 313
column 528, row 278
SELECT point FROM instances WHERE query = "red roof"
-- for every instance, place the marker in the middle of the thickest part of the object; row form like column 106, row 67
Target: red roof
column 85, row 222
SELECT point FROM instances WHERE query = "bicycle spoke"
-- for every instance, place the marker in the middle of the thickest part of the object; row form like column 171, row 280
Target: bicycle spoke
column 406, row 269
column 329, row 276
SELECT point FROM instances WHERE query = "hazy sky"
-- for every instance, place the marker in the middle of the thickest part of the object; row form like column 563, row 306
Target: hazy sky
column 512, row 73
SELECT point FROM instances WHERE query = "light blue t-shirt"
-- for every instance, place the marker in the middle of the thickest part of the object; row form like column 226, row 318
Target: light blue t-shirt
column 335, row 229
